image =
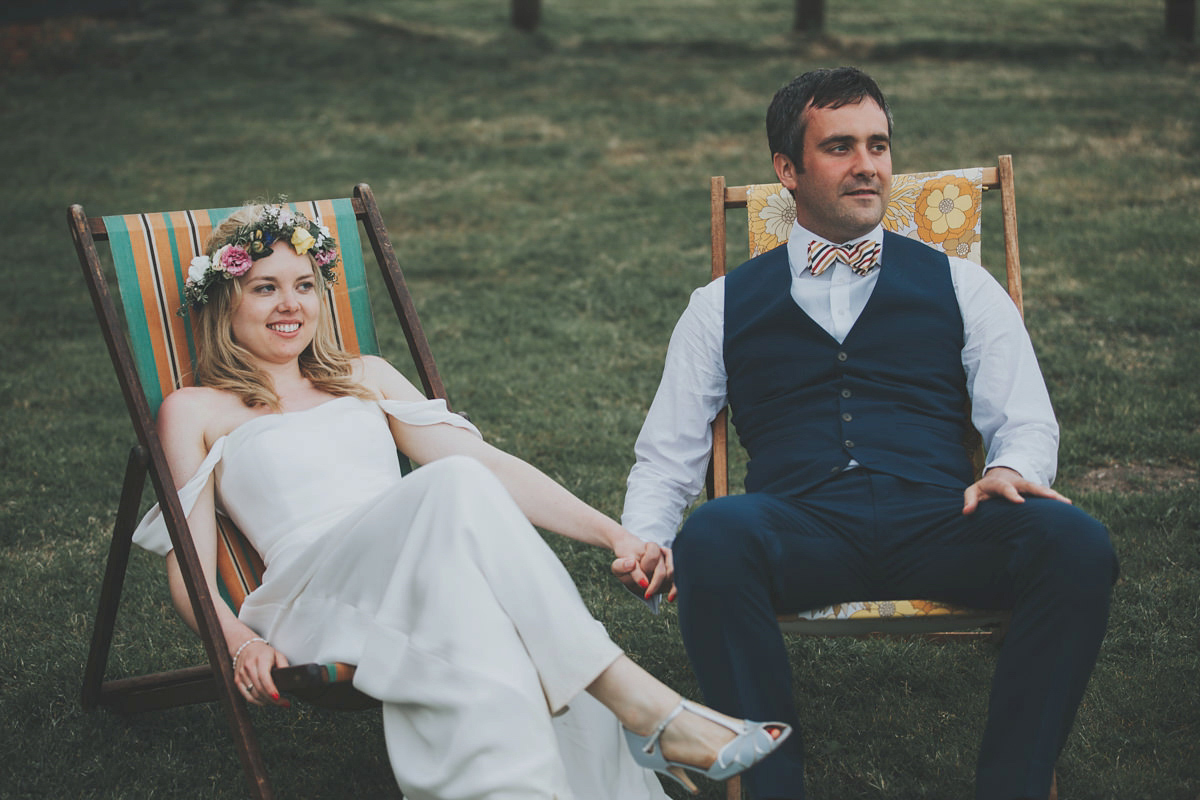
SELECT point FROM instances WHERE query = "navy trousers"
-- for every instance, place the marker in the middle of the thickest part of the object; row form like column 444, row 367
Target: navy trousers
column 740, row 560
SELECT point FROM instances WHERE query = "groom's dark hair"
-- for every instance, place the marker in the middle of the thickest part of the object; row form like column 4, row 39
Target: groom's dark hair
column 821, row 88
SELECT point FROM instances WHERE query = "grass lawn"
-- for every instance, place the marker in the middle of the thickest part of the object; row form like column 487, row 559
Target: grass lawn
column 548, row 198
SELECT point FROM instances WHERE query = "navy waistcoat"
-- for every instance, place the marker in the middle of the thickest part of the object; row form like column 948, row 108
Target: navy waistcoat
column 892, row 396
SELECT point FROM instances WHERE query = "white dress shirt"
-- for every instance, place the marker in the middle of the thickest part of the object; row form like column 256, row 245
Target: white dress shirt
column 1010, row 406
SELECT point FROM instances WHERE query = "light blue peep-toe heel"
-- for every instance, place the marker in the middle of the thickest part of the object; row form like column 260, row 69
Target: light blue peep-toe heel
column 754, row 742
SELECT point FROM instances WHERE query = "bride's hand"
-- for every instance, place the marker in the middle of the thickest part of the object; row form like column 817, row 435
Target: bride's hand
column 645, row 568
column 252, row 672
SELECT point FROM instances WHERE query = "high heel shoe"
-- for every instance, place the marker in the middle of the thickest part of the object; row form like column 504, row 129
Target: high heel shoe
column 754, row 742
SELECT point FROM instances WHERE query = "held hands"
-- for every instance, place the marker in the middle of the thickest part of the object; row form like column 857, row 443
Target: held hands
column 1008, row 484
column 644, row 567
column 252, row 664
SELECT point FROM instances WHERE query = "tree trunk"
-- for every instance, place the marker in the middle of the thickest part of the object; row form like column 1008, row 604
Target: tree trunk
column 1181, row 20
column 526, row 14
column 810, row 16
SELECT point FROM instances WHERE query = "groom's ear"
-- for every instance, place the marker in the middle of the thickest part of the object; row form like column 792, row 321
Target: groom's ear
column 786, row 171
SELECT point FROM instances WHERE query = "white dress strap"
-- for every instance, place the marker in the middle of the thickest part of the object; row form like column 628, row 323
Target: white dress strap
column 151, row 532
column 426, row 412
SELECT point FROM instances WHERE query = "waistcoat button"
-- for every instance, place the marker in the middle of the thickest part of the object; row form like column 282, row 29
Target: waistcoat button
column 846, row 393
column 847, row 417
column 842, row 356
column 848, row 443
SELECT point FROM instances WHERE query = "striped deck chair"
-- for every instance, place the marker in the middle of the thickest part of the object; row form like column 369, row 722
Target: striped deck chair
column 944, row 210
column 152, row 351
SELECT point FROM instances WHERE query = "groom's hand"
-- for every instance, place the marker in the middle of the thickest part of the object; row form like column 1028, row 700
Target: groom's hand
column 646, row 569
column 1006, row 483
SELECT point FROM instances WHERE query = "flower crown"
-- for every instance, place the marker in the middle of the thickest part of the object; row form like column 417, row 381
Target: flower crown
column 252, row 242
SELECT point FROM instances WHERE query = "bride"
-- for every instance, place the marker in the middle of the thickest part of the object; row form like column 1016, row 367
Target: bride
column 461, row 620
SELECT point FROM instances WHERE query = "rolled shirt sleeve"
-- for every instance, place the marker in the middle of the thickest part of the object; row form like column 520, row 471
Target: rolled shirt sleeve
column 1010, row 406
column 673, row 448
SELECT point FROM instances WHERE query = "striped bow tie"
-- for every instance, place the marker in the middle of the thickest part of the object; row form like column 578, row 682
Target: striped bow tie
column 861, row 257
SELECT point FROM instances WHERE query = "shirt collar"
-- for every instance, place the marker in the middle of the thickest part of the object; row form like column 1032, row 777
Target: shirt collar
column 797, row 246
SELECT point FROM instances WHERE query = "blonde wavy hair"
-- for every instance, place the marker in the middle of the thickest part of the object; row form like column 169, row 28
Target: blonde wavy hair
column 221, row 363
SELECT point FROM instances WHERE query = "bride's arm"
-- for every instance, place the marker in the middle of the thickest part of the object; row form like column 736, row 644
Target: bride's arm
column 181, row 422
column 544, row 502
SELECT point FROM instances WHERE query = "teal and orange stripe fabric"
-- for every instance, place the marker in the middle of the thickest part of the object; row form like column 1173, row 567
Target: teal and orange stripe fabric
column 338, row 672
column 239, row 567
column 151, row 253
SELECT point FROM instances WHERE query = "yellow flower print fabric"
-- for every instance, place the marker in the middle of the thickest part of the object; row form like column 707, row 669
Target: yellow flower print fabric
column 771, row 212
column 941, row 209
column 896, row 616
column 882, row 610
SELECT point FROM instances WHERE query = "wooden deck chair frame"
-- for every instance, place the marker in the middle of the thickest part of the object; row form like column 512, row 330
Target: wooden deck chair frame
column 321, row 683
column 938, row 621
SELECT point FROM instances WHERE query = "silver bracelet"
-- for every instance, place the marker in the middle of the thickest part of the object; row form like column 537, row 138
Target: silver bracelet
column 238, row 653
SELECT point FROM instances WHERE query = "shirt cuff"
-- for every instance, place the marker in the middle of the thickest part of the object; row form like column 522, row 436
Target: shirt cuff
column 1024, row 466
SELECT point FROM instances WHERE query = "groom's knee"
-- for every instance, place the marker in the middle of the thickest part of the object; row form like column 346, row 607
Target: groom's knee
column 721, row 543
column 1079, row 551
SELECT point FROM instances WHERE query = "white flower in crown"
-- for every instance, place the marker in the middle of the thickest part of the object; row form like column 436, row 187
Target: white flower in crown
column 197, row 268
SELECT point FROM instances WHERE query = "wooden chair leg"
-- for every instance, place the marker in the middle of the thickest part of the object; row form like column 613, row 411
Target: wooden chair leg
column 114, row 577
column 236, row 712
column 1053, row 787
column 250, row 754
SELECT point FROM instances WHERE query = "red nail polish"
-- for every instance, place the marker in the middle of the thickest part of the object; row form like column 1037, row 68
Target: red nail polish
column 275, row 695
column 643, row 583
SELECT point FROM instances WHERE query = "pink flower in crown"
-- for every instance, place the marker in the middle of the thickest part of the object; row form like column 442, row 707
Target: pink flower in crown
column 235, row 260
column 325, row 257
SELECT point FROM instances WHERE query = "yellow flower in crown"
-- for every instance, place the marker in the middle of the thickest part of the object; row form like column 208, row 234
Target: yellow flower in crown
column 771, row 216
column 302, row 240
column 946, row 208
column 257, row 247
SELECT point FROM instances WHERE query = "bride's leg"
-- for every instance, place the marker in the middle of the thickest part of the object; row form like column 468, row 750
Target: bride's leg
column 477, row 635
column 641, row 701
column 431, row 586
column 473, row 530
column 453, row 734
column 463, row 623
column 597, row 758
column 568, row 647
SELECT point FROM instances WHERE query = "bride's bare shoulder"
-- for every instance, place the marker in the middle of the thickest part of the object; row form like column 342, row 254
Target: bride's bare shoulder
column 378, row 375
column 201, row 409
column 195, row 399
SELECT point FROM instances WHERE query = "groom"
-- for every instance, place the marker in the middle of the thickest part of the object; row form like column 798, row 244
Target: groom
column 848, row 356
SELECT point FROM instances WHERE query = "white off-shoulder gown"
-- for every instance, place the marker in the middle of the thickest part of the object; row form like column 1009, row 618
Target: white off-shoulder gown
column 461, row 620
